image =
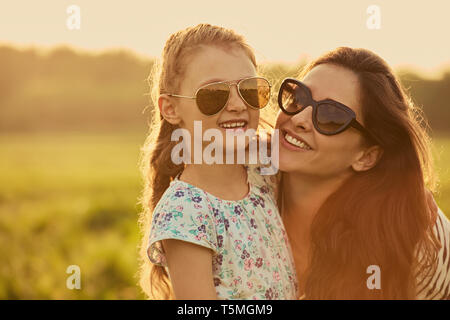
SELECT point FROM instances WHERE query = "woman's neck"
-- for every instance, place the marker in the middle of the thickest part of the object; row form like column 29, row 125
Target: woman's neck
column 302, row 198
column 225, row 181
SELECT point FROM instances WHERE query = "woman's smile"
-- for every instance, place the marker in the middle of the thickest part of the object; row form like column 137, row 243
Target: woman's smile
column 293, row 142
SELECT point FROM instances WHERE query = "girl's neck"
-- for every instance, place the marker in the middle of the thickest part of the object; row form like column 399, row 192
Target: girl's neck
column 225, row 181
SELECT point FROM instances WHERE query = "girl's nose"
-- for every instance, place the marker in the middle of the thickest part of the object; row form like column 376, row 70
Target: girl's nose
column 235, row 102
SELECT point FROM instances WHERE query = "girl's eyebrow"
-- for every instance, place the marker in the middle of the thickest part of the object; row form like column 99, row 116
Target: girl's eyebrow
column 210, row 81
column 219, row 80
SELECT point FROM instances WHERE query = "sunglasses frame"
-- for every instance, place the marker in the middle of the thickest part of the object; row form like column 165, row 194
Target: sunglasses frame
column 352, row 122
column 230, row 84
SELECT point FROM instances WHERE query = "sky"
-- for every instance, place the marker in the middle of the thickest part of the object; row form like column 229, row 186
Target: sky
column 412, row 33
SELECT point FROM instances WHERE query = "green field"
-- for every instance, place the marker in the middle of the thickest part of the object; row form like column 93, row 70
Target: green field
column 71, row 199
column 441, row 153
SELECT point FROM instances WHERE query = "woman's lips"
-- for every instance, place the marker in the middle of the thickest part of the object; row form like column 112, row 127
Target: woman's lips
column 293, row 142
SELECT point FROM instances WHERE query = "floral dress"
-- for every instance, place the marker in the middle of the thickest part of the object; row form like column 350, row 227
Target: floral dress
column 251, row 253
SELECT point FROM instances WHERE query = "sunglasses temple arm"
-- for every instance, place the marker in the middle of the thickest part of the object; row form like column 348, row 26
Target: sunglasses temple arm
column 355, row 124
column 179, row 96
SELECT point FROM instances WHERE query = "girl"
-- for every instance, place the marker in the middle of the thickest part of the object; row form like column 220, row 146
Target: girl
column 355, row 165
column 212, row 232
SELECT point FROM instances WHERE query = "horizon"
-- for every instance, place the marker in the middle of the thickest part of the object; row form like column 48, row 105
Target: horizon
column 435, row 73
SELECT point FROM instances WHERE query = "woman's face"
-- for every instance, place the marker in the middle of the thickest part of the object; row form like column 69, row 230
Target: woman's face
column 213, row 64
column 328, row 156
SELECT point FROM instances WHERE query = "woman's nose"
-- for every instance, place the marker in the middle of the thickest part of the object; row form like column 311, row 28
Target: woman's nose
column 303, row 119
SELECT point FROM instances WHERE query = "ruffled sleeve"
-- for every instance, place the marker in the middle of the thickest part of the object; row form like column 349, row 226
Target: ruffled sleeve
column 182, row 214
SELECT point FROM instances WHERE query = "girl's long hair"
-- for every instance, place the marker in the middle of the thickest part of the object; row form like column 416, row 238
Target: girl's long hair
column 378, row 217
column 157, row 168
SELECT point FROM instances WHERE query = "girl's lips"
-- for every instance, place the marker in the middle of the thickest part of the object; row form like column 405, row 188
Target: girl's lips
column 239, row 122
column 234, row 130
column 235, row 125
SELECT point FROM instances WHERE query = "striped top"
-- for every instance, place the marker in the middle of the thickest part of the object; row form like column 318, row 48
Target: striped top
column 437, row 286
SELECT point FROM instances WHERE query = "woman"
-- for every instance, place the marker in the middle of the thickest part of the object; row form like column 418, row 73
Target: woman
column 355, row 167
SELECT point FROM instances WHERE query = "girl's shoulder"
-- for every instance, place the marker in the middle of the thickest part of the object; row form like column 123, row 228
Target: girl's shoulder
column 180, row 191
column 183, row 214
column 184, row 201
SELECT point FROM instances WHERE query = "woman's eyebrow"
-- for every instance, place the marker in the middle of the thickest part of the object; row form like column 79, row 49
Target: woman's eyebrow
column 312, row 95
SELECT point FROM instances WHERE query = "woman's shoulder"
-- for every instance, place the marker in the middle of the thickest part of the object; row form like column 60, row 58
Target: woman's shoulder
column 443, row 221
column 437, row 285
column 442, row 228
column 442, row 231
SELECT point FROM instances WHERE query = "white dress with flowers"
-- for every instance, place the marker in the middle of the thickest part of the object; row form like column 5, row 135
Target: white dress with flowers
column 251, row 253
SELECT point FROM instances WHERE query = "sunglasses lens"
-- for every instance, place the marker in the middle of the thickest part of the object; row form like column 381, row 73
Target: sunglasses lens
column 293, row 97
column 212, row 98
column 255, row 92
column 331, row 118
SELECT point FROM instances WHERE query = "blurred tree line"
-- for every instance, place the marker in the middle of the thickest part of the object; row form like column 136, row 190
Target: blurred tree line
column 66, row 90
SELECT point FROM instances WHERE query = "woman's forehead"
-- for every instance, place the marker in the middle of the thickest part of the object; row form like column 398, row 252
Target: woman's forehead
column 328, row 81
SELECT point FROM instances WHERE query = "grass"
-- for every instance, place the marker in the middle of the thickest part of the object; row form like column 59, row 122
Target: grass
column 71, row 199
column 441, row 153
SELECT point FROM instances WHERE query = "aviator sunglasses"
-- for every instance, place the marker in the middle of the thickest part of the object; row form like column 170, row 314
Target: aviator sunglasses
column 213, row 97
column 329, row 117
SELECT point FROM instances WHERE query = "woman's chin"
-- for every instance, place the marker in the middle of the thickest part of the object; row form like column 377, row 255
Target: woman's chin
column 287, row 165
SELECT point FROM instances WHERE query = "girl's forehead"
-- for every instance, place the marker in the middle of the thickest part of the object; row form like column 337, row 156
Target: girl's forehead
column 210, row 63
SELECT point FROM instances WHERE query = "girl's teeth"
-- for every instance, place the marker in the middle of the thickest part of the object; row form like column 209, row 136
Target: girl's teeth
column 233, row 125
column 296, row 143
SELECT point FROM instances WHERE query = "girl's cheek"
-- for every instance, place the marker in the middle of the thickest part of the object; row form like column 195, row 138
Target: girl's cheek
column 255, row 121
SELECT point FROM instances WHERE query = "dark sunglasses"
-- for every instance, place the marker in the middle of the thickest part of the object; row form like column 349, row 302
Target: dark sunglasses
column 329, row 117
column 213, row 97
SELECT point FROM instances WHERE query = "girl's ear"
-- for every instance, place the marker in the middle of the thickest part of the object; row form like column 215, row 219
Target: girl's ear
column 368, row 158
column 168, row 110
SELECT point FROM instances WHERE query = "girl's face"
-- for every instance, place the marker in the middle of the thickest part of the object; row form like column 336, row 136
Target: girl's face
column 213, row 64
column 328, row 156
